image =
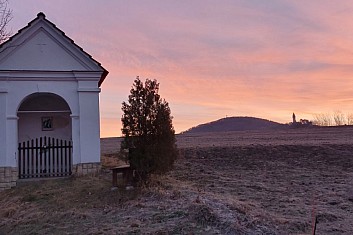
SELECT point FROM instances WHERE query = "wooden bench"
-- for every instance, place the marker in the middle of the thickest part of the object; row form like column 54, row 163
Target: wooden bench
column 125, row 170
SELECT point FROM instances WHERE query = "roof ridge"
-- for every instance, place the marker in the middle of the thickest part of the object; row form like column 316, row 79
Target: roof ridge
column 41, row 14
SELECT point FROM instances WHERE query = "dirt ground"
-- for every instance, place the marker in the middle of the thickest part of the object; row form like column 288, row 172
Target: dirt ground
column 285, row 186
column 272, row 182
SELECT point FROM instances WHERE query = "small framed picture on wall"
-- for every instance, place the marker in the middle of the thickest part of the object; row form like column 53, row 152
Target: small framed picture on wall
column 47, row 123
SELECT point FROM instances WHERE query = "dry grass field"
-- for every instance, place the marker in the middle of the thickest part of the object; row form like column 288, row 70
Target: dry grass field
column 271, row 182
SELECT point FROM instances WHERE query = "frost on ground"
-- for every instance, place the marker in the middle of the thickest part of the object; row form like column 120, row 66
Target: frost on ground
column 260, row 188
column 88, row 205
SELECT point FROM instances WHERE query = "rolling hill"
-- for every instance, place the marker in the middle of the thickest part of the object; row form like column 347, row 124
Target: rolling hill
column 236, row 124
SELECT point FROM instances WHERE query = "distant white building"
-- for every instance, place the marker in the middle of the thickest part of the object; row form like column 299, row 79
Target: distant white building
column 49, row 105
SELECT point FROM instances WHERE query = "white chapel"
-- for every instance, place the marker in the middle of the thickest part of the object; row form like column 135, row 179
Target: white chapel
column 49, row 105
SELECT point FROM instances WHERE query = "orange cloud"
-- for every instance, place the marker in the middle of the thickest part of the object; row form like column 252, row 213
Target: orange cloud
column 235, row 58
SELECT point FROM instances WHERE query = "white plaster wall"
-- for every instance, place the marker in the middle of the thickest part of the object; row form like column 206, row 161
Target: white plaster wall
column 46, row 48
column 30, row 126
column 81, row 126
column 89, row 125
column 40, row 47
column 11, row 141
column 17, row 92
column 3, row 128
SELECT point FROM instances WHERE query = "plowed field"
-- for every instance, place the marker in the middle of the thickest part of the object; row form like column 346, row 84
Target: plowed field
column 273, row 182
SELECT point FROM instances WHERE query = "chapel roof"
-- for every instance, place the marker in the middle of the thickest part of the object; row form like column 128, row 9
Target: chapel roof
column 41, row 16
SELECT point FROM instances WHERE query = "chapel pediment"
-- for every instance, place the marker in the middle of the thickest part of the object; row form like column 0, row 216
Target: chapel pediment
column 41, row 46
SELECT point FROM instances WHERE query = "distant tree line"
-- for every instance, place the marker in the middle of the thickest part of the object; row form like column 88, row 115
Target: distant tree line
column 337, row 118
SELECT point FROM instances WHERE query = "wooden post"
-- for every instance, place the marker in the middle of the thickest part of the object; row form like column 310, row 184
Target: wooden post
column 315, row 222
column 115, row 178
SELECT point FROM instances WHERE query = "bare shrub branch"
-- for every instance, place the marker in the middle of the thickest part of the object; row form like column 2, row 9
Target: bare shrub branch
column 5, row 18
column 339, row 118
column 323, row 119
column 349, row 118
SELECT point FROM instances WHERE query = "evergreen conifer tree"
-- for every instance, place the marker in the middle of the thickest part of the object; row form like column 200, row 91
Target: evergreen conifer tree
column 148, row 130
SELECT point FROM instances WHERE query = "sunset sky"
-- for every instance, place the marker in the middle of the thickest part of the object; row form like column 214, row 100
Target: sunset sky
column 261, row 58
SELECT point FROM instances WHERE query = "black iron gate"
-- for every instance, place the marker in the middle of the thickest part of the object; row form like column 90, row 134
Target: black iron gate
column 44, row 157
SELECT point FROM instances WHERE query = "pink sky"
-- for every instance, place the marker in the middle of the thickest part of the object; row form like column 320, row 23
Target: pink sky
column 213, row 58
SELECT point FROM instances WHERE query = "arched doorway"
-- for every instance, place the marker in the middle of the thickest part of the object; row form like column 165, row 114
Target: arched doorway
column 45, row 136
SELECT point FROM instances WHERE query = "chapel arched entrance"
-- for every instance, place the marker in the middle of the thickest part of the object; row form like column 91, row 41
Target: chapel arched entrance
column 44, row 136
